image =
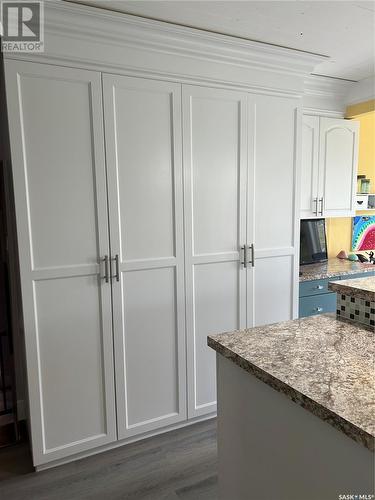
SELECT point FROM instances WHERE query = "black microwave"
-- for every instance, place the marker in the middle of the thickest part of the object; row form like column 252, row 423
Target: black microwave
column 313, row 241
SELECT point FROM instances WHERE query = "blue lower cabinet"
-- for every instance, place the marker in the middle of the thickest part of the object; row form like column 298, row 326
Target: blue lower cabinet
column 315, row 297
column 317, row 304
column 313, row 287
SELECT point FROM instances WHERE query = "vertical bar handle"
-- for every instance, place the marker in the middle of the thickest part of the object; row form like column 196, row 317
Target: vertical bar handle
column 252, row 262
column 321, row 206
column 243, row 253
column 117, row 268
column 106, row 268
column 315, row 200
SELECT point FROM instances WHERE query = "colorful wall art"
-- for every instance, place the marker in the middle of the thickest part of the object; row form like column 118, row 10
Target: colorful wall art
column 363, row 233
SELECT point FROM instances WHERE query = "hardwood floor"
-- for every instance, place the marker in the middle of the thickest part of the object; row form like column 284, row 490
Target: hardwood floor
column 179, row 465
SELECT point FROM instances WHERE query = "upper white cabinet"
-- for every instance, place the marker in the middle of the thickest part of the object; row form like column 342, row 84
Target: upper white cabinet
column 310, row 166
column 338, row 164
column 56, row 131
column 329, row 167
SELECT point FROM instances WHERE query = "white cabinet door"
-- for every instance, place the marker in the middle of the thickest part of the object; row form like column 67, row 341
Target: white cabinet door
column 273, row 157
column 143, row 145
column 215, row 180
column 58, row 162
column 309, row 167
column 338, row 159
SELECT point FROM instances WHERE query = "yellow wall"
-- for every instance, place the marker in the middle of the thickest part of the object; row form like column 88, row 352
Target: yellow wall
column 339, row 230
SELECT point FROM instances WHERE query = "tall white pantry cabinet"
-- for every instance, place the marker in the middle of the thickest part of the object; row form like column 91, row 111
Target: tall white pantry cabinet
column 156, row 203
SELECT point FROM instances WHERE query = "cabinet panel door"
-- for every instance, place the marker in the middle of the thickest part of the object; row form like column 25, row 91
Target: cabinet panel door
column 317, row 304
column 143, row 145
column 214, row 132
column 57, row 145
column 309, row 167
column 338, row 165
column 273, row 209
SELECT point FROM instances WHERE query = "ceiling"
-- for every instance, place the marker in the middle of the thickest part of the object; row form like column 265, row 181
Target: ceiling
column 343, row 30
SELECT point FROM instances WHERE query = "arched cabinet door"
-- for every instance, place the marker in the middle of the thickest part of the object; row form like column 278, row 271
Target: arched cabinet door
column 338, row 158
column 309, row 167
column 56, row 133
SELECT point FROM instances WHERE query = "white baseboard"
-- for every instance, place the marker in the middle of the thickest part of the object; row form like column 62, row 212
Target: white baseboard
column 124, row 442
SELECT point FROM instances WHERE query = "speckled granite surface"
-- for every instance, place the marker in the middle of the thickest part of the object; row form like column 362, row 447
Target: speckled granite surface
column 362, row 288
column 332, row 268
column 325, row 365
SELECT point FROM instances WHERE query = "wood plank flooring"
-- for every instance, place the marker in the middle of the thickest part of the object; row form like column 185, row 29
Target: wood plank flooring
column 179, row 465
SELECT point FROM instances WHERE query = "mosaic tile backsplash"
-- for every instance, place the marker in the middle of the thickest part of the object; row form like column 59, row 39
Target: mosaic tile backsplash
column 356, row 310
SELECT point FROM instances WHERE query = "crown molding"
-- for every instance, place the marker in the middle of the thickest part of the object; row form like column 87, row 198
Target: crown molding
column 323, row 112
column 325, row 86
column 325, row 96
column 114, row 27
column 362, row 91
column 97, row 38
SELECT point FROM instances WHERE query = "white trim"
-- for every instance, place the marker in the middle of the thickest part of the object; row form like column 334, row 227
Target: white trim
column 94, row 38
column 361, row 91
column 326, row 86
column 323, row 112
column 325, row 96
column 123, row 442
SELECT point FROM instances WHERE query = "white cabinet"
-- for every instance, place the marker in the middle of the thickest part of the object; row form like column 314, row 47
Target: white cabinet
column 215, row 168
column 56, row 132
column 273, row 208
column 338, row 158
column 143, row 146
column 309, row 167
column 329, row 167
column 231, row 174
column 190, row 193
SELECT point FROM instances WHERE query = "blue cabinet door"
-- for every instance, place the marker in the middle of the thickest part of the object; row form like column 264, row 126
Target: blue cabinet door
column 317, row 304
column 313, row 287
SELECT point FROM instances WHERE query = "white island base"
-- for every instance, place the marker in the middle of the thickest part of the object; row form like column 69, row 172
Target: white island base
column 270, row 448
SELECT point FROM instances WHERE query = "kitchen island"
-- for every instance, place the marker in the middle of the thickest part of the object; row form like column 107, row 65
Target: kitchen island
column 296, row 407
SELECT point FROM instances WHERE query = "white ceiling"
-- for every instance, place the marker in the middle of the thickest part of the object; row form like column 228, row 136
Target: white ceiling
column 343, row 30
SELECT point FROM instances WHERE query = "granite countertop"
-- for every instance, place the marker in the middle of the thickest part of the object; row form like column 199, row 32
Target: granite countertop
column 362, row 288
column 324, row 365
column 333, row 267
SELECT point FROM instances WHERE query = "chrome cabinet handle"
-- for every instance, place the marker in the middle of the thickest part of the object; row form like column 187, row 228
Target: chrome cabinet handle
column 319, row 309
column 321, row 206
column 244, row 256
column 315, row 200
column 106, row 268
column 319, row 287
column 117, row 268
column 252, row 255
